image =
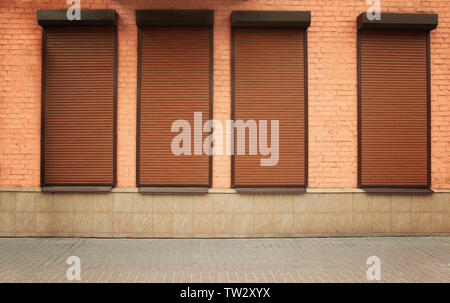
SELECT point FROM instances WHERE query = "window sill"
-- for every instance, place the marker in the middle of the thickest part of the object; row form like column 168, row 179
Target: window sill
column 77, row 189
column 399, row 191
column 270, row 190
column 173, row 190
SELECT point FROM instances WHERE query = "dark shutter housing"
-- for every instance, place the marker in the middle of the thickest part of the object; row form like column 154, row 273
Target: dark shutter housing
column 270, row 83
column 175, row 81
column 79, row 91
column 394, row 101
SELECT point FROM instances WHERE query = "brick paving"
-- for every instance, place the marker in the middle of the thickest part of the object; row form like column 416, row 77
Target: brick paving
column 403, row 259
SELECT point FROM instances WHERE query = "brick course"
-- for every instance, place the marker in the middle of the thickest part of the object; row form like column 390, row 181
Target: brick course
column 332, row 85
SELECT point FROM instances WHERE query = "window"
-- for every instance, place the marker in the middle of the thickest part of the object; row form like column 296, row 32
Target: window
column 269, row 85
column 175, row 84
column 394, row 102
column 78, row 100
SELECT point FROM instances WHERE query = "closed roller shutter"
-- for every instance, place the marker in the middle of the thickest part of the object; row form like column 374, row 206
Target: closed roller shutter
column 269, row 84
column 78, row 136
column 393, row 108
column 175, row 80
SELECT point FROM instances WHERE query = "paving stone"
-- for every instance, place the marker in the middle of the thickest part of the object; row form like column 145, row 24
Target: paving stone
column 403, row 259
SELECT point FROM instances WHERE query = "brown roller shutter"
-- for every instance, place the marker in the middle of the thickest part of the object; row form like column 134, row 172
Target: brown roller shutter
column 269, row 84
column 175, row 82
column 394, row 108
column 79, row 106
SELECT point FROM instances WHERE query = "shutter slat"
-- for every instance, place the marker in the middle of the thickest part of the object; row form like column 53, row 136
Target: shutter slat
column 174, row 83
column 79, row 106
column 269, row 85
column 393, row 108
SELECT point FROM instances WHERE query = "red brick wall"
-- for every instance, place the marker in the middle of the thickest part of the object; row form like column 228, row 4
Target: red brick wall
column 332, row 84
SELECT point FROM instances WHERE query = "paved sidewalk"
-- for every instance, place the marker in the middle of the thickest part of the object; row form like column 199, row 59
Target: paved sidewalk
column 403, row 259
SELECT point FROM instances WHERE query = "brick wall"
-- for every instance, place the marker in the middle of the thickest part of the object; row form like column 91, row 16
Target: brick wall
column 332, row 84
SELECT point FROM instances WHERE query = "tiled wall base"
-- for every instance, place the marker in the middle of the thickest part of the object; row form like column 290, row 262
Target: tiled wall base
column 130, row 214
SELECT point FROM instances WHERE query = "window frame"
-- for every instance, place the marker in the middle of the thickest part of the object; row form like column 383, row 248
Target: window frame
column 91, row 17
column 271, row 20
column 396, row 21
column 173, row 18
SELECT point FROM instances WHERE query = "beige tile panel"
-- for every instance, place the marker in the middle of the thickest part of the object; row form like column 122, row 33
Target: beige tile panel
column 44, row 222
column 401, row 222
column 362, row 203
column 102, row 203
column 343, row 223
column 63, row 222
column 123, row 202
column 204, row 223
column 421, row 223
column 322, row 223
column 283, row 203
column 83, row 222
column 223, row 203
column 331, row 203
column 283, row 224
column 44, row 202
column 243, row 224
column 223, row 223
column 122, row 222
column 7, row 202
column 382, row 203
column 25, row 222
column 265, row 204
column 441, row 203
column 421, row 203
column 163, row 223
column 143, row 223
column 302, row 204
column 264, row 223
column 183, row 223
column 183, row 203
column 130, row 214
column 362, row 223
column 303, row 223
column 84, row 204
column 25, row 202
column 244, row 203
column 103, row 223
column 401, row 204
column 203, row 204
column 7, row 222
column 382, row 222
column 440, row 222
column 142, row 203
column 163, row 203
column 64, row 202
